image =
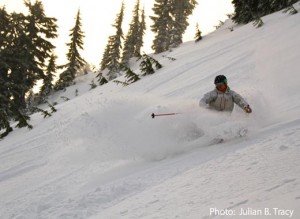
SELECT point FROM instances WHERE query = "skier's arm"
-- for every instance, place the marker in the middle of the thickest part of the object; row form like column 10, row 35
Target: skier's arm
column 241, row 102
column 207, row 99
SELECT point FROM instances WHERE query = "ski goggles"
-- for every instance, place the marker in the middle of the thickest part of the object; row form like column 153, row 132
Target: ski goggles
column 221, row 83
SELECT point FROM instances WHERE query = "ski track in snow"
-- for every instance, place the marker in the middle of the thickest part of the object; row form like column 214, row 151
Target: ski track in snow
column 219, row 183
column 101, row 155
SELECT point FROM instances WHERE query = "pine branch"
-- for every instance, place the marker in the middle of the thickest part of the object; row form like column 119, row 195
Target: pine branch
column 44, row 112
column 121, row 82
column 155, row 62
column 22, row 120
column 7, row 131
column 198, row 36
column 53, row 109
column 221, row 23
column 101, row 79
column 146, row 66
column 65, row 98
column 4, row 124
column 170, row 58
column 130, row 75
column 258, row 22
column 291, row 10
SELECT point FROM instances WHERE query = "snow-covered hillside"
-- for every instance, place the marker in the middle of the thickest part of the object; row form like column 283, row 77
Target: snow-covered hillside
column 102, row 156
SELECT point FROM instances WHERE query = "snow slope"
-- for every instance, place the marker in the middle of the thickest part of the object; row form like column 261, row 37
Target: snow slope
column 102, row 156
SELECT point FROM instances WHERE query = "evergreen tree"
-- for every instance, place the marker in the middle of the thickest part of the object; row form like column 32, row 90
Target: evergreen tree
column 291, row 10
column 130, row 75
column 258, row 22
column 31, row 47
column 263, row 8
column 5, row 56
column 75, row 61
column 6, row 59
column 40, row 29
column 155, row 62
column 4, row 72
column 24, row 47
column 161, row 25
column 244, row 11
column 141, row 32
column 198, row 36
column 250, row 10
column 105, row 57
column 47, row 85
column 170, row 22
column 277, row 5
column 4, row 29
column 101, row 79
column 146, row 66
column 132, row 36
column 180, row 11
column 4, row 104
column 22, row 120
column 111, row 56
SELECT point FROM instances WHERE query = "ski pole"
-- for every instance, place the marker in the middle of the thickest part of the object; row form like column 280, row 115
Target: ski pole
column 164, row 114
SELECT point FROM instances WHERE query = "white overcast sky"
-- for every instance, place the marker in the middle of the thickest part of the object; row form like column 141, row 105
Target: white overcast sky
column 98, row 16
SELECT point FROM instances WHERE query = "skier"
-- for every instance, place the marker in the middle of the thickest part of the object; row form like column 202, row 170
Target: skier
column 222, row 98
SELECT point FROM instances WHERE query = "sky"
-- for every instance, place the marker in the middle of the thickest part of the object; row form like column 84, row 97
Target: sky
column 98, row 17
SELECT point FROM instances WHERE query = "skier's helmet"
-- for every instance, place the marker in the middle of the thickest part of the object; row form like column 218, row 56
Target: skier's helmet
column 220, row 79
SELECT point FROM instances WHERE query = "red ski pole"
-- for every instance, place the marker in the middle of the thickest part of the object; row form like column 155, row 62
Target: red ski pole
column 164, row 114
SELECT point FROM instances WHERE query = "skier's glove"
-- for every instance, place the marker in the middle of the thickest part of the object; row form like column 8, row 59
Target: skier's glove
column 247, row 109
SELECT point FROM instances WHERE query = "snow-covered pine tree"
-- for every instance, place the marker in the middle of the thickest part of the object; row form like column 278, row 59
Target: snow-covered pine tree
column 31, row 47
column 244, row 11
column 170, row 22
column 105, row 57
column 75, row 61
column 291, row 10
column 5, row 56
column 277, row 5
column 4, row 124
column 198, row 36
column 5, row 109
column 25, row 46
column 250, row 10
column 162, row 25
column 47, row 86
column 146, row 66
column 258, row 22
column 45, row 113
column 263, row 8
column 22, row 120
column 53, row 109
column 155, row 62
column 132, row 35
column 101, row 79
column 180, row 11
column 111, row 56
column 130, row 75
column 65, row 79
column 140, row 37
